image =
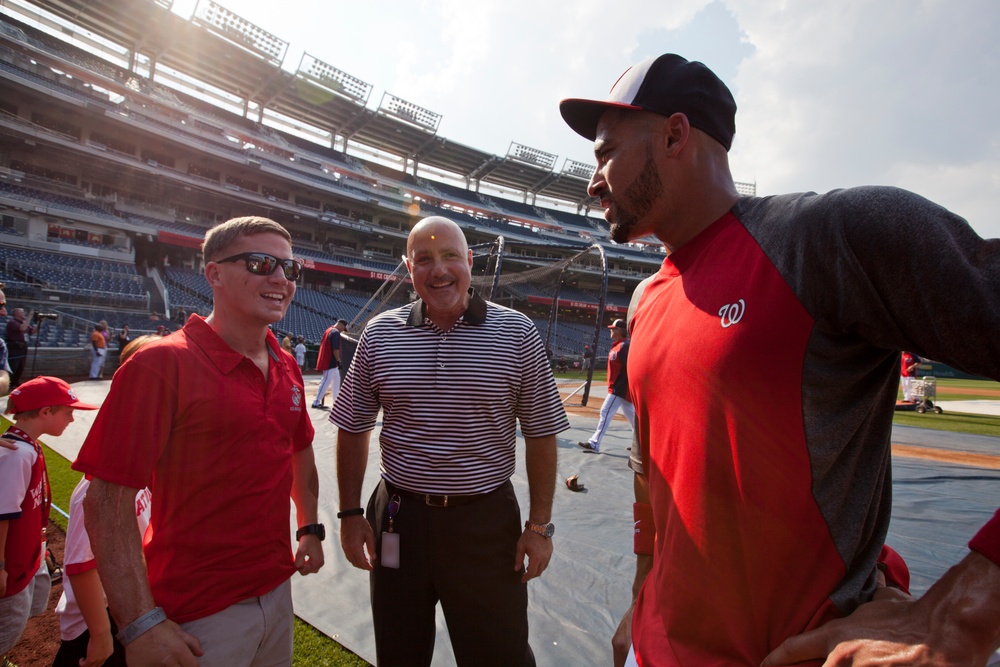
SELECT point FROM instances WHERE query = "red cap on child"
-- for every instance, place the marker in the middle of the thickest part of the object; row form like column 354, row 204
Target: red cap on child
column 44, row 391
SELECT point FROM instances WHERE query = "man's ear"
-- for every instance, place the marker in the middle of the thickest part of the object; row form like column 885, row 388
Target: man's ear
column 675, row 133
column 212, row 273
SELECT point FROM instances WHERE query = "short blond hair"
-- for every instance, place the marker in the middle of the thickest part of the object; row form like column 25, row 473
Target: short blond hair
column 224, row 235
column 134, row 345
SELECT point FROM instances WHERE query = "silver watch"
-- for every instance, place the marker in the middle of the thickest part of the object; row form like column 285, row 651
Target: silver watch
column 543, row 529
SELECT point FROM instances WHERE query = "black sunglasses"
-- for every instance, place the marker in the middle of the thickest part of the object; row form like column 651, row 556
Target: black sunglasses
column 264, row 265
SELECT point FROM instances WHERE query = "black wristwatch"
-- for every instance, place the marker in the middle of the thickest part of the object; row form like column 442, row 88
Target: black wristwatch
column 543, row 529
column 317, row 529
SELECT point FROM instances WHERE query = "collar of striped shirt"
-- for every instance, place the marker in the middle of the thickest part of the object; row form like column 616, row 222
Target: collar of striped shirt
column 474, row 314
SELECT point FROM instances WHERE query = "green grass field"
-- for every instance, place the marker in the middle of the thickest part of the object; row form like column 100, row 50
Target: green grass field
column 313, row 648
column 957, row 422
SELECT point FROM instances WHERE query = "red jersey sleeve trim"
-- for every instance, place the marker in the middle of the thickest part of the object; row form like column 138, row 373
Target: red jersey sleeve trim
column 80, row 568
column 987, row 540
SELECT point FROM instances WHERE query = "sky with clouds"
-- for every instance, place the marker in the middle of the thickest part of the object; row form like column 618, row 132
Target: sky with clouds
column 830, row 94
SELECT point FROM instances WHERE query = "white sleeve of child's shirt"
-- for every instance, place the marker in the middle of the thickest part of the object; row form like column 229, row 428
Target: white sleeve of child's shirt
column 78, row 556
column 15, row 476
column 79, row 552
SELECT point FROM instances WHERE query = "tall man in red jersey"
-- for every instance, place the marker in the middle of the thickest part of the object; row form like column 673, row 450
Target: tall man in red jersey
column 617, row 398
column 213, row 419
column 328, row 362
column 764, row 368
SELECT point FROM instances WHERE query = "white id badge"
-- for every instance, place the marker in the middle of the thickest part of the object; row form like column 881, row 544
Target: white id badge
column 390, row 550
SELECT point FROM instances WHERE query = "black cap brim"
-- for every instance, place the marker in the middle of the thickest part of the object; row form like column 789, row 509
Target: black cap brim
column 583, row 115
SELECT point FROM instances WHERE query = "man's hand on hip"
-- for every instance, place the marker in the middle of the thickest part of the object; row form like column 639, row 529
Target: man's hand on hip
column 167, row 645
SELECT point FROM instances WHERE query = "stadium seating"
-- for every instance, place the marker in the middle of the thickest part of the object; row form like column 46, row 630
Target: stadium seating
column 69, row 204
column 231, row 165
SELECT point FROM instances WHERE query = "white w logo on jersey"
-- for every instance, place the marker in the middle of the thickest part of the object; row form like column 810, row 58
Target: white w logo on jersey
column 732, row 313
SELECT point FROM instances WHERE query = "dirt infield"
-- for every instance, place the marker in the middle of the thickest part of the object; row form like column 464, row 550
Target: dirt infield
column 952, row 391
column 592, row 410
column 947, row 456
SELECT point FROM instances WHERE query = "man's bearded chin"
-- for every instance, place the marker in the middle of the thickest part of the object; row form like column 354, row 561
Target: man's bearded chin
column 621, row 228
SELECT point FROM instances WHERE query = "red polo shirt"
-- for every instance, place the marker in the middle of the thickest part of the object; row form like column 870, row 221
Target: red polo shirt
column 194, row 420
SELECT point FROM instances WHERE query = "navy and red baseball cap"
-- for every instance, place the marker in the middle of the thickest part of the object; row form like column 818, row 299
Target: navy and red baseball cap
column 665, row 85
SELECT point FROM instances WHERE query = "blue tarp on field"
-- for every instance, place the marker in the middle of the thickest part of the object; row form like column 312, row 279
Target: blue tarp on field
column 575, row 606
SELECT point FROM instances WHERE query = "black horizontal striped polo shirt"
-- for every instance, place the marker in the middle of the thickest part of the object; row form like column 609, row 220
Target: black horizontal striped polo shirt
column 451, row 400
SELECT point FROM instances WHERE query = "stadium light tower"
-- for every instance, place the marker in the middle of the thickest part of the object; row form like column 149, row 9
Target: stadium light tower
column 531, row 155
column 332, row 79
column 409, row 112
column 581, row 169
column 239, row 31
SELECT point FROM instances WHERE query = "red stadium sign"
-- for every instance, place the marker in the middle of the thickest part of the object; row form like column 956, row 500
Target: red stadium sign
column 579, row 305
column 179, row 239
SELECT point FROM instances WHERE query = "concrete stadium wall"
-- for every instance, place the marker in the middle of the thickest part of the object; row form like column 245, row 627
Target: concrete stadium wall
column 68, row 363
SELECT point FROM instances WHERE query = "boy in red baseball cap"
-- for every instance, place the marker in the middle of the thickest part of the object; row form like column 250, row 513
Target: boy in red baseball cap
column 42, row 406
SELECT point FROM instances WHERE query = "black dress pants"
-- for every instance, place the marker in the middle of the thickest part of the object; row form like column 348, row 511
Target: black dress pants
column 462, row 556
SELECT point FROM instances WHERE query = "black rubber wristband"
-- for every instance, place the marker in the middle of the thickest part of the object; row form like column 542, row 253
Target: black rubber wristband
column 355, row 511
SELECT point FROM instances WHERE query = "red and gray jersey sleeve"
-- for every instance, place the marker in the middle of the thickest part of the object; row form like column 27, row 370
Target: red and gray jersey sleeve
column 940, row 298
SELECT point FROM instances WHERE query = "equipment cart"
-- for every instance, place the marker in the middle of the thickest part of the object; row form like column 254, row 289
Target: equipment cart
column 925, row 393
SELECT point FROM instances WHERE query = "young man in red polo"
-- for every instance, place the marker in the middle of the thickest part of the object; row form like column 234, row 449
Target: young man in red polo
column 223, row 443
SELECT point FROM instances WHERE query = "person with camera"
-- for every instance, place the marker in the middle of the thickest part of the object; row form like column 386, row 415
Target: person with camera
column 19, row 327
column 123, row 338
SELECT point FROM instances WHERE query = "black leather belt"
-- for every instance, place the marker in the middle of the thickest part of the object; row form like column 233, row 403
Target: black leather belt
column 432, row 500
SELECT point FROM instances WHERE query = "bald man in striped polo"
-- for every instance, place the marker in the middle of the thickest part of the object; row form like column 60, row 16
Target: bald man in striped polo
column 454, row 376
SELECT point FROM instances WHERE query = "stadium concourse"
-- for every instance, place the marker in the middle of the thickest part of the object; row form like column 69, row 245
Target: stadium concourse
column 575, row 606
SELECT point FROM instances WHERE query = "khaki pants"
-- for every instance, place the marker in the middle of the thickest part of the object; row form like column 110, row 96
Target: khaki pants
column 253, row 633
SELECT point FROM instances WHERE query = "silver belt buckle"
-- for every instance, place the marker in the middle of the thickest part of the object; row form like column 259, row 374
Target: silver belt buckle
column 428, row 500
